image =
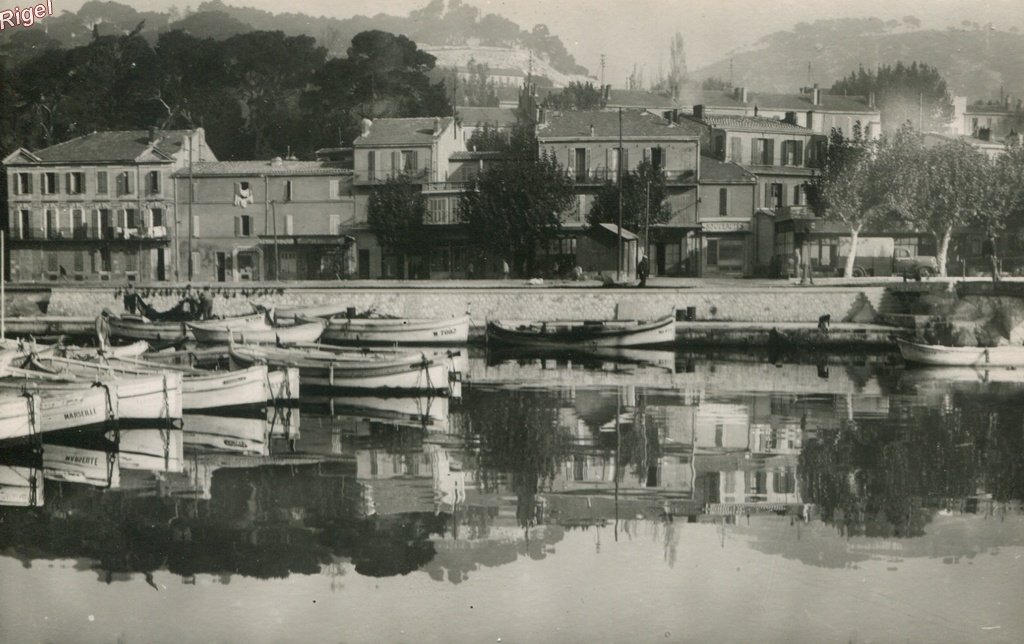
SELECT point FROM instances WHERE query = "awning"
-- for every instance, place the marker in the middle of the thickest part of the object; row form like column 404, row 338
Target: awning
column 613, row 229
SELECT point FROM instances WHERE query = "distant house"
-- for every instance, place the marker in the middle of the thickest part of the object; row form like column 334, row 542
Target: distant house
column 812, row 108
column 276, row 219
column 100, row 206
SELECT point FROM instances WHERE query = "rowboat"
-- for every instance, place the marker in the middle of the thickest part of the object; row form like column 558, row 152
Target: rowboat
column 574, row 334
column 1006, row 356
column 65, row 403
column 229, row 434
column 201, row 389
column 19, row 416
column 212, row 332
column 296, row 312
column 137, row 327
column 357, row 371
column 343, row 330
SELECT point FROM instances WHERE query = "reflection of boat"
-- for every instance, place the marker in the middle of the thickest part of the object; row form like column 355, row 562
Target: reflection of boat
column 356, row 370
column 583, row 333
column 429, row 412
column 81, row 465
column 345, row 330
column 1006, row 356
column 154, row 450
column 210, row 332
column 21, row 486
column 662, row 359
column 227, row 433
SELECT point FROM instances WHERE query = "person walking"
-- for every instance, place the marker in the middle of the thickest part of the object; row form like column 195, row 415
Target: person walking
column 643, row 269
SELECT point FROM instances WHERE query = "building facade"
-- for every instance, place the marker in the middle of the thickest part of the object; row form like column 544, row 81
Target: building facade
column 270, row 220
column 99, row 207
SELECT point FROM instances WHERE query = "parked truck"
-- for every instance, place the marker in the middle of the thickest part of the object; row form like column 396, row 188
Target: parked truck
column 879, row 256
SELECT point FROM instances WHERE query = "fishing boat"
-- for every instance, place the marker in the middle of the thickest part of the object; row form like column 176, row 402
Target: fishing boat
column 213, row 332
column 200, row 388
column 19, row 416
column 354, row 330
column 149, row 449
column 50, row 325
column 575, row 334
column 230, row 434
column 293, row 313
column 937, row 355
column 137, row 327
column 412, row 372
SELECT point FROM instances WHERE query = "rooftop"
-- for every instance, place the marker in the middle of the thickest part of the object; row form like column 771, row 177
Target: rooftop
column 606, row 125
column 474, row 155
column 796, row 102
column 714, row 171
column 407, row 131
column 753, row 123
column 260, row 168
column 499, row 71
column 500, row 116
column 640, row 98
column 113, row 146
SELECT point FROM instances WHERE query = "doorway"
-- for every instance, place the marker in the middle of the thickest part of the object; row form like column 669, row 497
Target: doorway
column 364, row 263
column 222, row 266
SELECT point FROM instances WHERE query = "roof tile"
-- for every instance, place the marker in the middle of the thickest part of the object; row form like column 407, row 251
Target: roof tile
column 606, row 124
column 407, row 131
column 112, row 146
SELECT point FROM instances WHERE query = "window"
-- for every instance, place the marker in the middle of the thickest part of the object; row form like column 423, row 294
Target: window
column 736, row 149
column 79, row 226
column 334, row 224
column 713, row 258
column 131, row 218
column 334, row 189
column 79, row 263
column 614, row 156
column 289, row 225
column 437, row 210
column 195, row 225
column 25, row 220
column 153, row 182
column 657, row 158
column 125, row 183
column 52, row 224
column 798, row 195
column 23, row 183
column 75, row 183
column 157, row 216
column 793, row 153
column 289, row 190
column 101, row 183
column 243, row 226
column 763, row 152
column 774, row 195
column 49, row 183
column 581, row 165
column 104, row 263
column 371, row 165
column 723, row 202
column 410, row 161
column 106, row 223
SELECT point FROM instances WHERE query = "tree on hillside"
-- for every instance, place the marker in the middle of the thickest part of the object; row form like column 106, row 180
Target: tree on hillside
column 851, row 185
column 395, row 213
column 916, row 93
column 479, row 90
column 637, row 200
column 515, row 205
column 715, row 83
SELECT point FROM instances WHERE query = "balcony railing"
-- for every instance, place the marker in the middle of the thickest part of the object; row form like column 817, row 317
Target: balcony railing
column 604, row 175
column 365, row 177
column 446, row 186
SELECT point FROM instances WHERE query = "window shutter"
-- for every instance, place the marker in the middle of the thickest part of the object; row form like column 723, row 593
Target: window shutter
column 723, row 203
column 782, row 194
column 335, row 191
column 56, row 183
column 755, row 152
column 67, row 183
column 769, row 154
column 647, row 154
column 16, row 180
column 798, row 152
column 119, row 184
column 30, row 188
column 156, row 182
column 82, row 186
column 396, row 162
column 572, row 161
column 414, row 160
column 238, row 226
column 334, row 224
column 97, row 231
column 289, row 225
column 101, row 183
column 371, row 164
column 625, row 160
column 129, row 182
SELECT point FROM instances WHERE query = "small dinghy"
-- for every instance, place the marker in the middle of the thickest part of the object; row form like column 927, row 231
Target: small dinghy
column 575, row 334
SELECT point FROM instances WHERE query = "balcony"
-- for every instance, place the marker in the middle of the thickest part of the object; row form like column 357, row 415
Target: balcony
column 364, row 177
column 605, row 175
column 446, row 186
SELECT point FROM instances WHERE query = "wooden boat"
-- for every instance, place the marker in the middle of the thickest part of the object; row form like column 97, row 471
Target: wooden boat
column 66, row 403
column 583, row 333
column 19, row 416
column 94, row 467
column 200, row 389
column 229, row 434
column 149, row 449
column 137, row 327
column 50, row 325
column 293, row 313
column 357, row 371
column 937, row 355
column 210, row 332
column 343, row 330
column 21, row 486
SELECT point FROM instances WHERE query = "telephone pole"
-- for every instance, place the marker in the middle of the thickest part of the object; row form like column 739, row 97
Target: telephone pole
column 618, row 230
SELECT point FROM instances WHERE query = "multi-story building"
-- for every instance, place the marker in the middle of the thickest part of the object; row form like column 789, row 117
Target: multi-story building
column 420, row 149
column 99, row 207
column 725, row 213
column 588, row 145
column 277, row 219
column 812, row 108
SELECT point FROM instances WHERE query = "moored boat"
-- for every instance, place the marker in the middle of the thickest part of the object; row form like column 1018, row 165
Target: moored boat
column 137, row 327
column 576, row 334
column 49, row 325
column 344, row 330
column 66, row 403
column 357, row 371
column 937, row 355
column 211, row 332
column 284, row 313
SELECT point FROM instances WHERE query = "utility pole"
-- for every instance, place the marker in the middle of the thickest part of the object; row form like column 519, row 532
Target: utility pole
column 920, row 112
column 602, row 72
column 647, row 220
column 191, row 189
column 618, row 231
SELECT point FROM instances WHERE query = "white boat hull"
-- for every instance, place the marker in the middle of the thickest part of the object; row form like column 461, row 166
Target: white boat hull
column 582, row 335
column 19, row 416
column 265, row 334
column 397, row 331
column 21, row 487
column 77, row 465
column 1007, row 356
column 152, row 450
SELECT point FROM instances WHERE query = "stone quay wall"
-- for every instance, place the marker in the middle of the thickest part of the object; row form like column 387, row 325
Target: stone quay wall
column 766, row 305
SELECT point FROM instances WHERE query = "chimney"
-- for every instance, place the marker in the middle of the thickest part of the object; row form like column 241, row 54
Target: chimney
column 698, row 112
column 741, row 94
column 152, row 135
column 816, row 95
column 437, row 124
column 366, row 124
column 591, row 129
column 871, row 100
column 790, row 118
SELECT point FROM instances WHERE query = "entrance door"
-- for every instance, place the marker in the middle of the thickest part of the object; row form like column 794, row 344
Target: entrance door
column 364, row 263
column 222, row 266
column 161, row 264
column 659, row 259
column 247, row 266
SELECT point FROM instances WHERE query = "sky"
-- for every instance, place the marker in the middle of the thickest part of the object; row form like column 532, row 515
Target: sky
column 639, row 31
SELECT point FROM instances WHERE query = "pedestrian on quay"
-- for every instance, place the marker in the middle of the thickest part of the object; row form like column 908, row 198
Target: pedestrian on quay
column 643, row 268
column 988, row 249
column 133, row 301
column 505, row 270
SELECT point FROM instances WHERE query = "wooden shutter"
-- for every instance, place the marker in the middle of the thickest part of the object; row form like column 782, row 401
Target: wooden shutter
column 16, row 180
column 414, row 160
column 67, row 183
column 371, row 164
column 289, row 225
column 129, row 183
column 769, row 154
column 396, row 162
column 755, row 152
column 101, row 183
column 335, row 191
column 782, row 194
column 56, row 183
column 572, row 161
column 29, row 183
column 119, row 183
column 238, row 226
column 723, row 201
column 798, row 152
column 334, row 224
column 195, row 225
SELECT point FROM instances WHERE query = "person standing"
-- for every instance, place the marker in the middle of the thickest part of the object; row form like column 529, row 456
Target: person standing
column 505, row 271
column 643, row 269
column 133, row 301
column 988, row 249
column 205, row 304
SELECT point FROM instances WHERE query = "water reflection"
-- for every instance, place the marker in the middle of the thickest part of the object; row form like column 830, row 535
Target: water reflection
column 539, row 446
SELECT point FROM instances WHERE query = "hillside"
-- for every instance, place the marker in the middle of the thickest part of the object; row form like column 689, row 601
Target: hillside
column 501, row 57
column 443, row 24
column 975, row 61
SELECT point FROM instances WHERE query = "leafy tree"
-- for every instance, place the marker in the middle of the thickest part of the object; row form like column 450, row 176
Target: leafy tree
column 489, row 139
column 1001, row 202
column 851, row 185
column 637, row 201
column 577, row 96
column 479, row 91
column 915, row 93
column 396, row 211
column 516, row 204
column 715, row 83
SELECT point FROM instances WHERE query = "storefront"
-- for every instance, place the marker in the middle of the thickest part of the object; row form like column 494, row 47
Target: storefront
column 727, row 249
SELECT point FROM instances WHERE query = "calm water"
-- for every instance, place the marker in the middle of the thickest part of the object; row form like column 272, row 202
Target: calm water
column 645, row 497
